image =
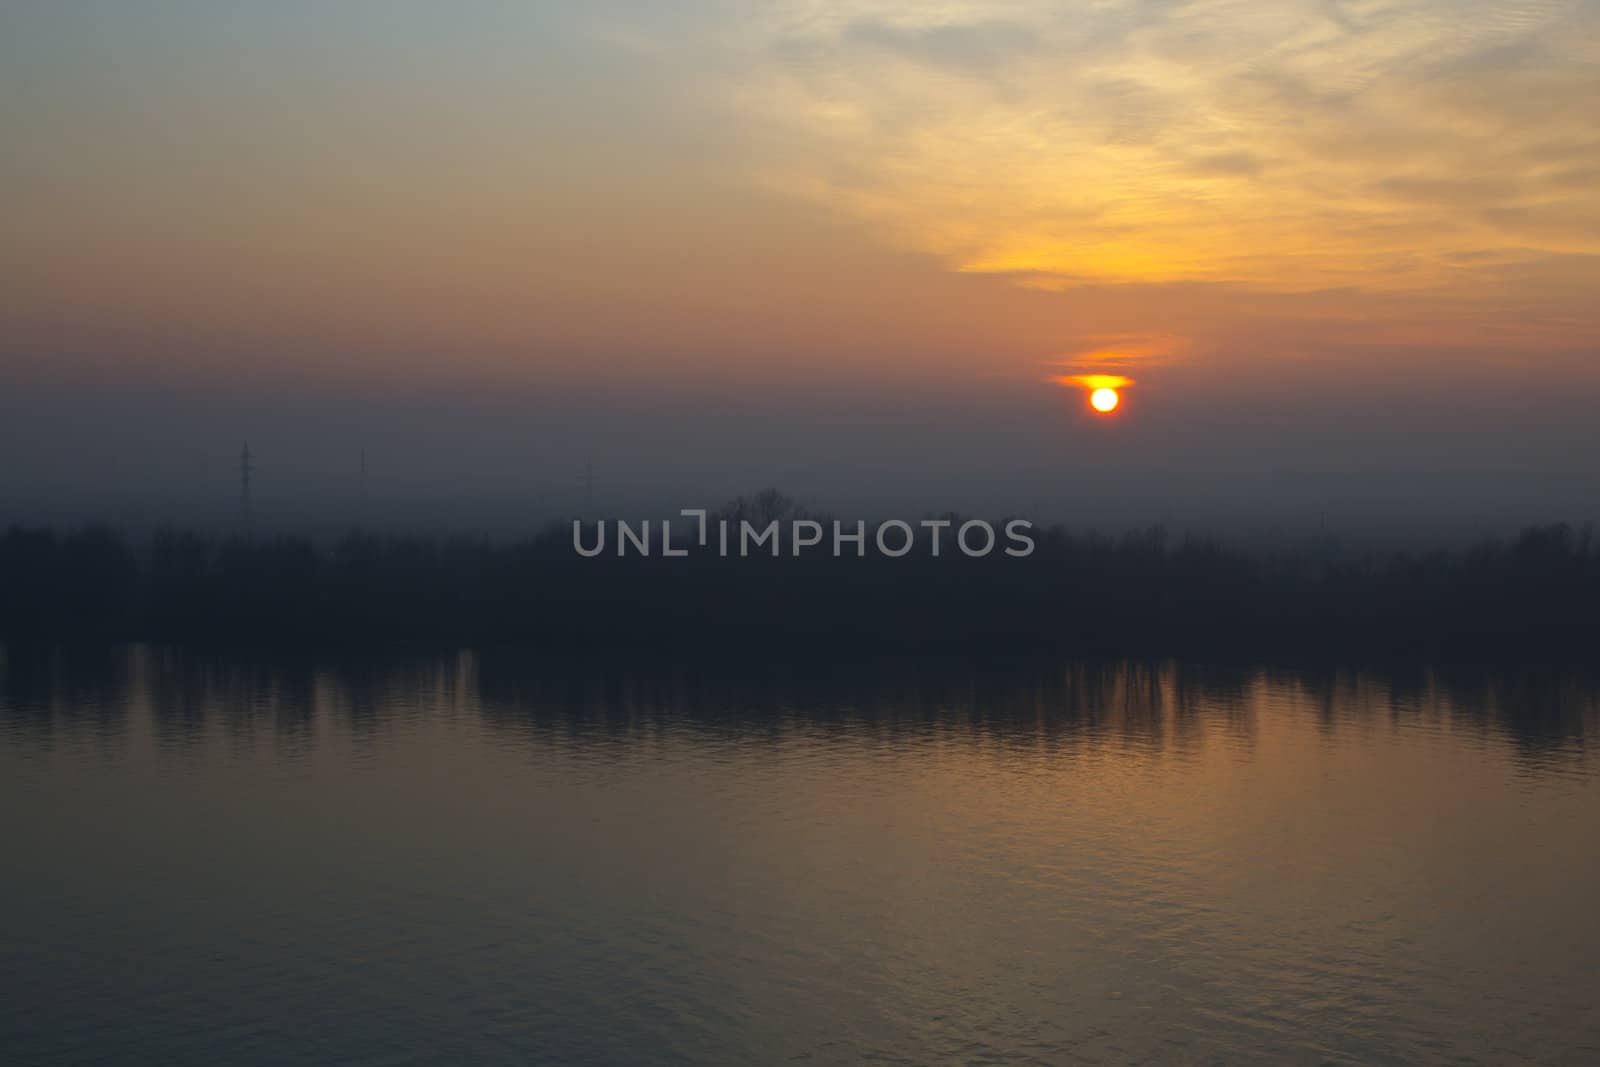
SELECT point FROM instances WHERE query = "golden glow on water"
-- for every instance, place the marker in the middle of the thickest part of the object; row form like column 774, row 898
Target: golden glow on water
column 924, row 862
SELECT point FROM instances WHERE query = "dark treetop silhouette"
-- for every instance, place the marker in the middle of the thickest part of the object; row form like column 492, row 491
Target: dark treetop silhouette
column 1535, row 596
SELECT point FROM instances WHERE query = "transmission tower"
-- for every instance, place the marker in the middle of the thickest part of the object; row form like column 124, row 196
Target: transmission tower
column 246, row 467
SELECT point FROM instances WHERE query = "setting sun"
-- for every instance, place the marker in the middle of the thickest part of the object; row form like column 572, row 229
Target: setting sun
column 1102, row 389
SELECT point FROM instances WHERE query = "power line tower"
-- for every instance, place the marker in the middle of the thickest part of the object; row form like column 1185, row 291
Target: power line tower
column 246, row 468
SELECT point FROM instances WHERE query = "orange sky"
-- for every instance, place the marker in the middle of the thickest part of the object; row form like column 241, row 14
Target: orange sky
column 801, row 192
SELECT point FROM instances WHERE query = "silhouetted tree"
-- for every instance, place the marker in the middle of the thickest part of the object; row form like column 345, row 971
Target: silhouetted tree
column 1536, row 596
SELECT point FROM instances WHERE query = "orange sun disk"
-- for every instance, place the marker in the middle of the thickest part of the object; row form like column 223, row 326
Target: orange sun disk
column 1102, row 389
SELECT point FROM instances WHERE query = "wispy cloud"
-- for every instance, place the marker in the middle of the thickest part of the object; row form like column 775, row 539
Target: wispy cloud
column 1391, row 145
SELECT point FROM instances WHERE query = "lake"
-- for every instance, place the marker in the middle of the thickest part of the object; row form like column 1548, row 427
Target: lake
column 485, row 857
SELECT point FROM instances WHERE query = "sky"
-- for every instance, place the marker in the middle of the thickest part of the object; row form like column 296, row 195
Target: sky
column 1346, row 253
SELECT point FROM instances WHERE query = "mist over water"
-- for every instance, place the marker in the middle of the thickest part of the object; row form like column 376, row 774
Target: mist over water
column 1415, row 461
column 489, row 857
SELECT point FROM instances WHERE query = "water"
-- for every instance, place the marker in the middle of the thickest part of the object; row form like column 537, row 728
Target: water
column 487, row 859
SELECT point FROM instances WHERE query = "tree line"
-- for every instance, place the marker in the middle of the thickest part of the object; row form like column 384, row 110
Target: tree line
column 1535, row 595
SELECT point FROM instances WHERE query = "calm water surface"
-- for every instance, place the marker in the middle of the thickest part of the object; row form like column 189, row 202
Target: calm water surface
column 484, row 859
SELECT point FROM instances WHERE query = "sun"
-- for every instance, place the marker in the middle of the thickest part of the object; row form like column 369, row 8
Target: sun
column 1102, row 389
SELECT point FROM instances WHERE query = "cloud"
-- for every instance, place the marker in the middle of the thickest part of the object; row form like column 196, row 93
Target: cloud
column 1381, row 146
column 1107, row 360
column 1227, row 164
column 977, row 45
